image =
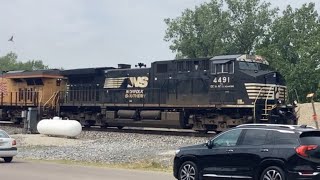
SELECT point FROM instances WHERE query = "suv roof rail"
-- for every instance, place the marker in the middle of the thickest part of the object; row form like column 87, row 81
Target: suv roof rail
column 304, row 126
column 279, row 125
column 269, row 125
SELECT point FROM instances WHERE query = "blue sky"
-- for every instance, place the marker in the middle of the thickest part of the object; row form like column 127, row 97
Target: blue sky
column 93, row 33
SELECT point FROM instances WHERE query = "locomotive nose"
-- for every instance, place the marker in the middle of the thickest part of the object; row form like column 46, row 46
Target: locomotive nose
column 274, row 78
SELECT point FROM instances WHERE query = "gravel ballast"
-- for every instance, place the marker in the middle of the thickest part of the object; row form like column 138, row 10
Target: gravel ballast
column 102, row 147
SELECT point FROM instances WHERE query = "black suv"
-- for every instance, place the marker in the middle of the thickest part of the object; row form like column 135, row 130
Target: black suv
column 253, row 151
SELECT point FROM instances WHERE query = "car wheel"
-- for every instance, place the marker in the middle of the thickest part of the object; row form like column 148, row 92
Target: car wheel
column 188, row 171
column 7, row 159
column 273, row 173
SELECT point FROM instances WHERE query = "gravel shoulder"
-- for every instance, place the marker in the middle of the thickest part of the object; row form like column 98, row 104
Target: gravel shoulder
column 112, row 149
column 305, row 112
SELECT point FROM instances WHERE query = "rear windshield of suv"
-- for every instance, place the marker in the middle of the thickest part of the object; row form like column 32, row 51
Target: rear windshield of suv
column 310, row 138
column 3, row 134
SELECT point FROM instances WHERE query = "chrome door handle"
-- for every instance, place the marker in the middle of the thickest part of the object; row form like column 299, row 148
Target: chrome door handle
column 229, row 150
column 264, row 150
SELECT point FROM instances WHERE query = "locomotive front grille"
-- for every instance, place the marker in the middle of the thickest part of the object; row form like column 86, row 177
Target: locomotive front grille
column 265, row 91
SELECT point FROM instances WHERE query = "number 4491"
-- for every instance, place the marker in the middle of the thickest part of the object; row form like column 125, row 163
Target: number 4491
column 221, row 80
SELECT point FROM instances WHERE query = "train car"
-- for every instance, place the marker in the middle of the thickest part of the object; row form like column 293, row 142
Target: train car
column 201, row 94
column 20, row 90
column 81, row 98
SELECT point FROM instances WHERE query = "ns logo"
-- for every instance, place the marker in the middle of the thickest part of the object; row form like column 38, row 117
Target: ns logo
column 138, row 82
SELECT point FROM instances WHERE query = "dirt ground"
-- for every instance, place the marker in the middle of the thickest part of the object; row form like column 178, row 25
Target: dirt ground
column 305, row 112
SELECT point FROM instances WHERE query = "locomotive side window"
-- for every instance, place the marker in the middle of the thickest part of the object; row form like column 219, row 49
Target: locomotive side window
column 222, row 68
column 225, row 68
column 219, row 68
column 34, row 81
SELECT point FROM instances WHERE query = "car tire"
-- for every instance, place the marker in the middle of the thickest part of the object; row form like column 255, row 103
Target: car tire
column 188, row 169
column 7, row 159
column 273, row 172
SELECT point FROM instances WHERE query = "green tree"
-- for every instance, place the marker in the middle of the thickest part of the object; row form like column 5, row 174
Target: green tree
column 210, row 30
column 9, row 62
column 292, row 47
column 33, row 65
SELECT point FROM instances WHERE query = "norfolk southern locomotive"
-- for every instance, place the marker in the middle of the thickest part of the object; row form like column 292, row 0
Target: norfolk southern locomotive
column 201, row 94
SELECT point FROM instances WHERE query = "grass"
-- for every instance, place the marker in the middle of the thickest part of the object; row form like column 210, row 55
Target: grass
column 142, row 165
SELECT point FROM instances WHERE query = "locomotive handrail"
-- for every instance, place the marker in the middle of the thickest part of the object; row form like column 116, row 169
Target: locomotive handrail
column 47, row 102
column 255, row 102
column 56, row 105
column 54, row 101
column 266, row 102
column 39, row 104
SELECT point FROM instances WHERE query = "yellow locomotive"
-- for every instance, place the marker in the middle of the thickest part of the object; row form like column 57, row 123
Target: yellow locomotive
column 20, row 90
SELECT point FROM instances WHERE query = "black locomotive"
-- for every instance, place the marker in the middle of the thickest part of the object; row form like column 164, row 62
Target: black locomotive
column 201, row 94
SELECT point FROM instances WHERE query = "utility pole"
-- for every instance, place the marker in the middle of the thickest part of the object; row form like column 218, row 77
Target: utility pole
column 314, row 116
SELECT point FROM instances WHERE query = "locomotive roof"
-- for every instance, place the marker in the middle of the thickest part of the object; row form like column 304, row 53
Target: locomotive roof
column 187, row 59
column 48, row 73
column 224, row 58
column 85, row 71
column 241, row 57
column 127, row 69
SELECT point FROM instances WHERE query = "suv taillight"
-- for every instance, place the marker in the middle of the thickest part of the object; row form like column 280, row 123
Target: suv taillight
column 301, row 150
column 14, row 142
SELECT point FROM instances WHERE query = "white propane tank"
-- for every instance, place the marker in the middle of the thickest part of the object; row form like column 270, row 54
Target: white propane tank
column 58, row 127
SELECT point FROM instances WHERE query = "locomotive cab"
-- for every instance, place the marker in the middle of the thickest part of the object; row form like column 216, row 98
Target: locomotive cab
column 248, row 81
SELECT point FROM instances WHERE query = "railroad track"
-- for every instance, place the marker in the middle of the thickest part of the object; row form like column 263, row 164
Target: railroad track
column 9, row 124
column 153, row 131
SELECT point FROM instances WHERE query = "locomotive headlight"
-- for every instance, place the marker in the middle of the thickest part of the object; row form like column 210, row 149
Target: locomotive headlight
column 177, row 151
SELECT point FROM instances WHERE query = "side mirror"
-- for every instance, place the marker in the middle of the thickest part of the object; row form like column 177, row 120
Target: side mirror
column 209, row 144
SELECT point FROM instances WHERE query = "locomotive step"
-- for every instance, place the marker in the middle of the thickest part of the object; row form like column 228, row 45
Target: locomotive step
column 264, row 119
column 270, row 106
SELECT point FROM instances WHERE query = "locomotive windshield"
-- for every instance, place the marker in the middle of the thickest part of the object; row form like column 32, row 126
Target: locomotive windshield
column 253, row 66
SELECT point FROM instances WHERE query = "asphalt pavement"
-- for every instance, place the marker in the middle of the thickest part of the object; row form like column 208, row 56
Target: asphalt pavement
column 26, row 170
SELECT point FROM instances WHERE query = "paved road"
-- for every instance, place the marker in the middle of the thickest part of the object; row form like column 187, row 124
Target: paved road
column 24, row 170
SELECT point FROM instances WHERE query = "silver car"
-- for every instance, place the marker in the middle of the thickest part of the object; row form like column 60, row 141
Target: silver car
column 8, row 147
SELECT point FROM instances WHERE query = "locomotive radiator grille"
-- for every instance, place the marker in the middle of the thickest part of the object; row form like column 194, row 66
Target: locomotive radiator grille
column 265, row 91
